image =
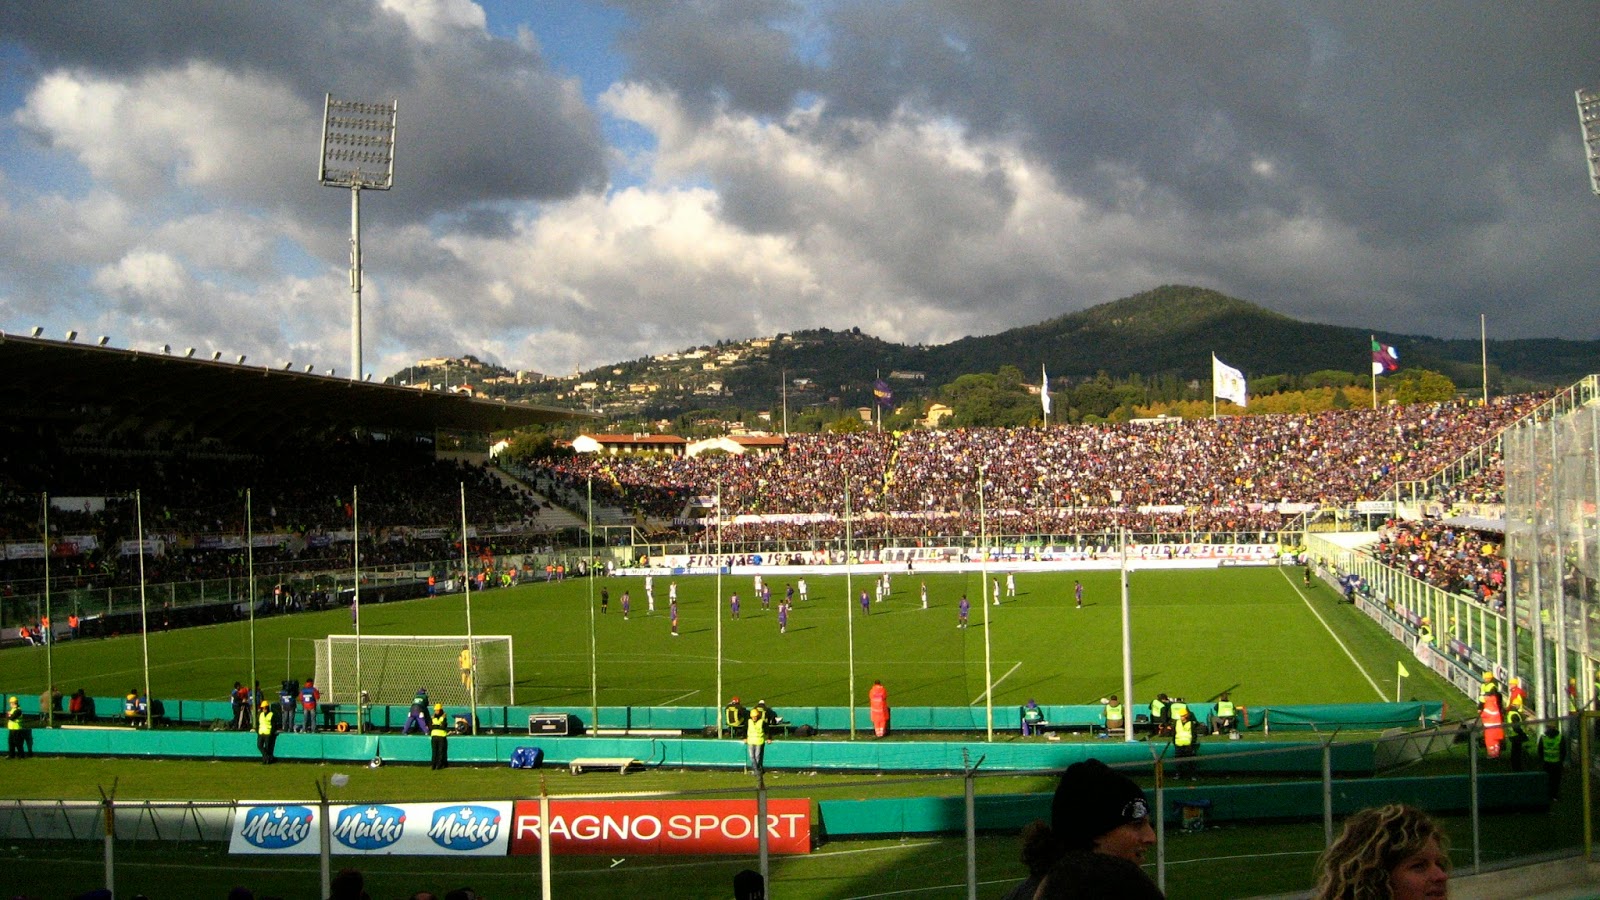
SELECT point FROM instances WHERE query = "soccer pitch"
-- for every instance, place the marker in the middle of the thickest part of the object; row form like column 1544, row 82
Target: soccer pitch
column 1255, row 631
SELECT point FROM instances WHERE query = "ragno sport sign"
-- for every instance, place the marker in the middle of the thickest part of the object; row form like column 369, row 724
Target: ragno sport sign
column 638, row 827
column 662, row 827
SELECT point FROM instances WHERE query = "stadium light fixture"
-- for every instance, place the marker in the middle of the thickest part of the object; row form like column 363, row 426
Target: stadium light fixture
column 71, row 336
column 102, row 341
column 288, row 365
column 240, row 360
column 216, row 355
column 188, row 353
column 357, row 152
column 37, row 330
column 309, row 367
column 166, row 349
column 330, row 372
column 1589, row 121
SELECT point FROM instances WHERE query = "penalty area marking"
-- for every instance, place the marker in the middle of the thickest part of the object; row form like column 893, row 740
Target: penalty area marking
column 996, row 684
column 1307, row 600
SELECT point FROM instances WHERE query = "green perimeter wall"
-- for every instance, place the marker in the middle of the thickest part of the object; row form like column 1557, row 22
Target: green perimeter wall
column 1224, row 803
column 793, row 754
column 824, row 718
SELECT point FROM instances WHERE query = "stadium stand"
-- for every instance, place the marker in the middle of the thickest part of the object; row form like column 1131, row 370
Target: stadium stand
column 1225, row 475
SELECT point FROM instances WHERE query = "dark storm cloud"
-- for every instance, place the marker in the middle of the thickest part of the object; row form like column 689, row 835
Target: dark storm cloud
column 1423, row 133
column 718, row 53
column 480, row 119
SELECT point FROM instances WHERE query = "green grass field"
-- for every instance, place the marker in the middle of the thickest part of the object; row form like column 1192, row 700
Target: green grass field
column 1254, row 631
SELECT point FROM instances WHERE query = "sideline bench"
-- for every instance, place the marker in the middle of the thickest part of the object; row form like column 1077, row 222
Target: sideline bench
column 621, row 763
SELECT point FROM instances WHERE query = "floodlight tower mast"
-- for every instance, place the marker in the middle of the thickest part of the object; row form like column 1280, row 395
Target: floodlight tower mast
column 357, row 152
column 1589, row 118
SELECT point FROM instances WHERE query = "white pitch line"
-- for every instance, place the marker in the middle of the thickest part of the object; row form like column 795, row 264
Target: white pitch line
column 679, row 697
column 1307, row 600
column 992, row 686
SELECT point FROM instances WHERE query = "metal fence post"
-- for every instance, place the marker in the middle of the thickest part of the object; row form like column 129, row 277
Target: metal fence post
column 1472, row 800
column 110, row 811
column 971, row 824
column 546, row 889
column 1327, row 792
column 761, row 823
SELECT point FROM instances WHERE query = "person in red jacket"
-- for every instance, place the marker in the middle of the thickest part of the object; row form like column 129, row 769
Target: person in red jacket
column 879, row 698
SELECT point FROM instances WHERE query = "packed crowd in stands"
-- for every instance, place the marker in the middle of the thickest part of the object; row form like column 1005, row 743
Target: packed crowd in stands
column 1224, row 474
column 409, row 507
column 1222, row 479
column 1458, row 560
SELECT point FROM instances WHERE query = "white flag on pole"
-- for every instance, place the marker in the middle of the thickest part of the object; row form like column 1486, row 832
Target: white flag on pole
column 1044, row 389
column 1227, row 383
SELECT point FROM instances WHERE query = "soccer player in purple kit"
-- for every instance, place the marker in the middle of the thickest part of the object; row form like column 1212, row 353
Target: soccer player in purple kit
column 1077, row 591
column 866, row 604
column 733, row 604
column 963, row 609
column 625, row 605
column 783, row 617
column 766, row 596
column 672, row 609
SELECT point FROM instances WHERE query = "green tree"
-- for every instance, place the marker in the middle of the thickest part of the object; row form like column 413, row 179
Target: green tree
column 1421, row 386
column 849, row 423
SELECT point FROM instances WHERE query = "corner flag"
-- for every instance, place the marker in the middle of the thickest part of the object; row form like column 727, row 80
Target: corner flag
column 1227, row 383
column 1403, row 672
column 1044, row 389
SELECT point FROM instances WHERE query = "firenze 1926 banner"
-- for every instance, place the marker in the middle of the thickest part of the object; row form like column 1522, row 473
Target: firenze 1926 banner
column 675, row 827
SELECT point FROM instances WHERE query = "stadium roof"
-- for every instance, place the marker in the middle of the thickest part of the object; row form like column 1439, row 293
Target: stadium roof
column 153, row 392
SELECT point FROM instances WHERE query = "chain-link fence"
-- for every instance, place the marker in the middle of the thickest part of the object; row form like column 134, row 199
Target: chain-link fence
column 1247, row 820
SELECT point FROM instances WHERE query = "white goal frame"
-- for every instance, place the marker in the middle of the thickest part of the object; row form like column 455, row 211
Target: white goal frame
column 389, row 675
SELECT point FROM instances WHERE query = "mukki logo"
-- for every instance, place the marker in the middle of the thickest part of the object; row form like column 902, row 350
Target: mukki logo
column 465, row 827
column 276, row 827
column 370, row 827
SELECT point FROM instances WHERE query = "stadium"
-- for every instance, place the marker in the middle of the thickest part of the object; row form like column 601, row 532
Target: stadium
column 177, row 528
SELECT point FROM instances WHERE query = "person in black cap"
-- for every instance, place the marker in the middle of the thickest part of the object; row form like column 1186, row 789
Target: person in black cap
column 1096, row 810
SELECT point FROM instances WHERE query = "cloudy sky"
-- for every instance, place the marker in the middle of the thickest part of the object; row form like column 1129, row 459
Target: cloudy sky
column 580, row 183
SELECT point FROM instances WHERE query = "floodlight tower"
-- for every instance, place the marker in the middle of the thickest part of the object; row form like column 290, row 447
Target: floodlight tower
column 357, row 152
column 1589, row 119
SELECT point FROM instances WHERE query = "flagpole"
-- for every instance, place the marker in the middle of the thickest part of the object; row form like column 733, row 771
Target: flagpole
column 1374, row 376
column 1213, row 387
column 1044, row 393
column 472, row 645
column 355, row 597
column 1483, row 338
column 983, row 600
column 1127, row 637
column 849, row 609
column 783, row 388
column 716, row 605
column 48, row 711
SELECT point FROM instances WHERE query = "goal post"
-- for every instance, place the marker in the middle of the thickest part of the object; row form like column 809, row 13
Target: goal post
column 392, row 667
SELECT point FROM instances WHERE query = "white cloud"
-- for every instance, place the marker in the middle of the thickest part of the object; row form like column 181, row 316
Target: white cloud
column 193, row 128
column 435, row 20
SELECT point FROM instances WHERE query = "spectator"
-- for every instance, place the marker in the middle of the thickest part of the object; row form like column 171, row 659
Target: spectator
column 348, row 884
column 1392, row 851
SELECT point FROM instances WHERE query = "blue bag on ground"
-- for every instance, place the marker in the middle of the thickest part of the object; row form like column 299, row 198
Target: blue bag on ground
column 526, row 758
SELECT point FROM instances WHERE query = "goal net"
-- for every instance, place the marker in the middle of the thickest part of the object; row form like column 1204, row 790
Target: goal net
column 392, row 667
